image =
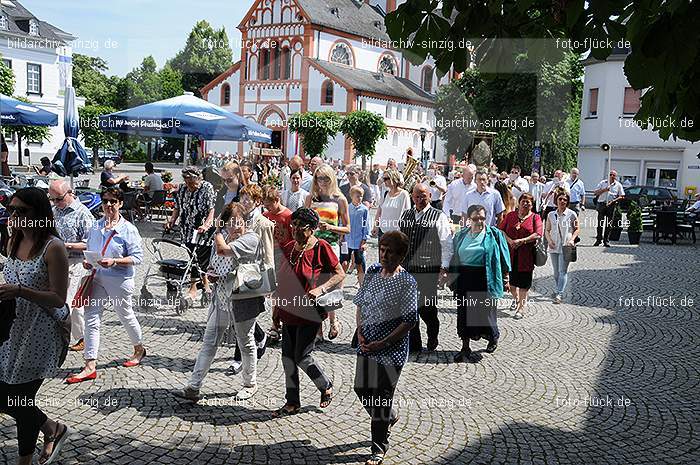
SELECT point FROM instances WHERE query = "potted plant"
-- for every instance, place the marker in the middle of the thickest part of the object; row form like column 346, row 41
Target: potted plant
column 634, row 218
column 616, row 228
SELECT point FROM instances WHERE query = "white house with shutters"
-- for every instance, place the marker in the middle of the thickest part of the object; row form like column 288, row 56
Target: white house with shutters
column 40, row 56
column 639, row 156
column 315, row 55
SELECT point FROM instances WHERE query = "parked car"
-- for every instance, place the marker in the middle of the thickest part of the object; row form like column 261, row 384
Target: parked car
column 104, row 155
column 658, row 195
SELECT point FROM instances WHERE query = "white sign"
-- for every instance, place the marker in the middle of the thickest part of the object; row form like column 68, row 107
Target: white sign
column 205, row 115
column 27, row 108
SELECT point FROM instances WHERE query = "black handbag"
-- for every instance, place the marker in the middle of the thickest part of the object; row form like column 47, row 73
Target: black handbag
column 570, row 254
column 7, row 318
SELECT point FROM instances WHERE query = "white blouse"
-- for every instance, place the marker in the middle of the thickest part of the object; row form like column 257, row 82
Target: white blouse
column 561, row 229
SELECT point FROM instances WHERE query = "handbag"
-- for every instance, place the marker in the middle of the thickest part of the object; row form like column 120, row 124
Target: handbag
column 253, row 279
column 539, row 251
column 82, row 295
column 569, row 251
column 7, row 318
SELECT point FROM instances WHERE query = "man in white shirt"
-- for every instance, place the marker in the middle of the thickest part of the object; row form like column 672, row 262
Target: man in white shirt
column 456, row 192
column 518, row 185
column 578, row 192
column 536, row 188
column 178, row 156
column 308, row 178
column 608, row 192
column 486, row 196
column 296, row 163
column 284, row 172
column 437, row 184
column 548, row 194
column 429, row 253
column 696, row 206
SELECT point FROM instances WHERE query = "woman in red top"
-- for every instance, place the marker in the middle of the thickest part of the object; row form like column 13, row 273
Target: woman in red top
column 310, row 270
column 522, row 229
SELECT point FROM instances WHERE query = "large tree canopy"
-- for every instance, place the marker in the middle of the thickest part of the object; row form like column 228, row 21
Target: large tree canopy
column 662, row 36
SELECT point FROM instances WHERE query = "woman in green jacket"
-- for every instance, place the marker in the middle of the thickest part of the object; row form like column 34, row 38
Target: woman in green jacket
column 481, row 262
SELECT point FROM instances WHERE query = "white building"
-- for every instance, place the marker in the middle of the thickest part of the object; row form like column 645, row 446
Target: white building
column 639, row 156
column 39, row 55
column 316, row 55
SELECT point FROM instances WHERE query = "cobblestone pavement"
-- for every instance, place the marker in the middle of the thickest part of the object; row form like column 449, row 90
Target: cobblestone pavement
column 597, row 379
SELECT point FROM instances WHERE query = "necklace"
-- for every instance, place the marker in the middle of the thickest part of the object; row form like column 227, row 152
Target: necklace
column 521, row 220
column 294, row 261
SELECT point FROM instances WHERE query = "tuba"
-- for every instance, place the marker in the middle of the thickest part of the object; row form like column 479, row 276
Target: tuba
column 409, row 176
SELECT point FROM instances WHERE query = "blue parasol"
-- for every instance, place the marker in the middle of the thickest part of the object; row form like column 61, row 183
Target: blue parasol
column 71, row 159
column 14, row 112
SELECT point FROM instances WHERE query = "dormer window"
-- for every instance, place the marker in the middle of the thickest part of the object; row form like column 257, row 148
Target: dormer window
column 3, row 22
column 33, row 28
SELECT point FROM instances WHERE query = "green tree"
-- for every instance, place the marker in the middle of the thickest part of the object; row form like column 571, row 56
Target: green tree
column 316, row 130
column 662, row 37
column 364, row 129
column 206, row 55
column 95, row 138
column 91, row 82
column 7, row 80
column 28, row 133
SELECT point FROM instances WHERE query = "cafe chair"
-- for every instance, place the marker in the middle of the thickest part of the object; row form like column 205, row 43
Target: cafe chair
column 130, row 204
column 157, row 201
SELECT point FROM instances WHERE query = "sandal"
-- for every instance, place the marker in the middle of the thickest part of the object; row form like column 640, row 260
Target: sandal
column 284, row 411
column 326, row 398
column 273, row 334
column 375, row 459
column 58, row 441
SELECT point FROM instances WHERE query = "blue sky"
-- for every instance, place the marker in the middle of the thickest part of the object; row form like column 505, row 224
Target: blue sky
column 123, row 32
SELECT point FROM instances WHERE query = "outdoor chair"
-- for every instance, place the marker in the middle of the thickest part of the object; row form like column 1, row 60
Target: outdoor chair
column 668, row 225
column 156, row 201
column 130, row 204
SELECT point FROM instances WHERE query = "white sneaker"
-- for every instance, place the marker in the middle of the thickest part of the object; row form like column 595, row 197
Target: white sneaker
column 247, row 392
column 236, row 367
column 557, row 299
column 518, row 316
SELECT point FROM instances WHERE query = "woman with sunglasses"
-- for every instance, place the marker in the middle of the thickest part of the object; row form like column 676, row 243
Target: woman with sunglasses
column 562, row 230
column 119, row 246
column 394, row 203
column 36, row 277
column 328, row 201
column 231, row 191
column 481, row 262
column 311, row 268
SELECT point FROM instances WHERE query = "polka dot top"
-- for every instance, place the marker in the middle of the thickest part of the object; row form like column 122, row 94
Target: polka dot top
column 35, row 344
column 384, row 304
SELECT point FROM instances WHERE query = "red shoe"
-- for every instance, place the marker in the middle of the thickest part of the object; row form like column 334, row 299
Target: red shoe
column 134, row 363
column 79, row 379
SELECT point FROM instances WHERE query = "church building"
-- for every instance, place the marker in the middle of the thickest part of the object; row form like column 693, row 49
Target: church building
column 327, row 55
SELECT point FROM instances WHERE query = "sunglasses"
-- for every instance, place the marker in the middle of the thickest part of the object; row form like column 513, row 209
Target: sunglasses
column 386, row 179
column 110, row 201
column 323, row 179
column 18, row 210
column 57, row 199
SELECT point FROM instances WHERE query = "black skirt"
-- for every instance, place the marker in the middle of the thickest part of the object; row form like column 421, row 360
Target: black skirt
column 520, row 279
column 476, row 311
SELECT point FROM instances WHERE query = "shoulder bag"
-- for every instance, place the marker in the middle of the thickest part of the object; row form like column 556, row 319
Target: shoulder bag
column 252, row 279
column 539, row 251
column 82, row 295
column 569, row 251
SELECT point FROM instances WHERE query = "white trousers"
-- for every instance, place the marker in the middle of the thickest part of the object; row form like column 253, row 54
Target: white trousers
column 117, row 293
column 77, row 315
column 217, row 322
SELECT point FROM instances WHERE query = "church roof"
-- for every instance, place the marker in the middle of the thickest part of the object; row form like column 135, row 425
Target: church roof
column 374, row 82
column 352, row 16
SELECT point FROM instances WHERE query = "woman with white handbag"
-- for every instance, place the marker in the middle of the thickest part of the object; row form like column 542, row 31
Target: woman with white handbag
column 238, row 294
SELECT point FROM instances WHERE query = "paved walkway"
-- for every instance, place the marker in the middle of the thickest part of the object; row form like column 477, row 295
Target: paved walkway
column 598, row 379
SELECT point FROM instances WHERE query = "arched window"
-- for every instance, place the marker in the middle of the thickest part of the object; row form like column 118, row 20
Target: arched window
column 395, row 140
column 341, row 54
column 276, row 63
column 327, row 93
column 387, row 65
column 388, row 110
column 226, row 94
column 428, row 79
column 286, row 63
column 264, row 71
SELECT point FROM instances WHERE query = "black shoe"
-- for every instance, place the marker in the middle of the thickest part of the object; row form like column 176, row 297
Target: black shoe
column 597, row 243
column 432, row 343
column 415, row 351
column 491, row 348
column 607, row 244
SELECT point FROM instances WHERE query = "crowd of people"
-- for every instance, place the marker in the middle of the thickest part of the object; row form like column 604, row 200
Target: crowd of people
column 288, row 250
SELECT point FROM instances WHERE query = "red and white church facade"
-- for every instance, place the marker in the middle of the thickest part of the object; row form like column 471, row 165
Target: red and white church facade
column 327, row 55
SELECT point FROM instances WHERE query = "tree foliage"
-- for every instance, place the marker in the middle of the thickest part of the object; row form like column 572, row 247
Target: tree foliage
column 206, row 55
column 662, row 36
column 94, row 137
column 364, row 129
column 7, row 80
column 91, row 82
column 316, row 129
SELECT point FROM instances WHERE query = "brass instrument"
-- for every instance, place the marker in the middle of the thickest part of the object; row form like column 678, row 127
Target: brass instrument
column 409, row 177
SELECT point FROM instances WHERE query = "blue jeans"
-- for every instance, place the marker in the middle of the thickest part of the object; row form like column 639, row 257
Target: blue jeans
column 561, row 268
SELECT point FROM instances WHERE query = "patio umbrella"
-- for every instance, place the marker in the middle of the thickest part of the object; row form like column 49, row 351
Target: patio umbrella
column 14, row 112
column 71, row 159
column 184, row 116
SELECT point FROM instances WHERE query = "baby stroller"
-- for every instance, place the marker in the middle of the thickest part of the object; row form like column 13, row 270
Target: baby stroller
column 177, row 274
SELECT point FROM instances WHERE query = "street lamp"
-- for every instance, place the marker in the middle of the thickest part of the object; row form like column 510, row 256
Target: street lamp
column 423, row 133
column 607, row 148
